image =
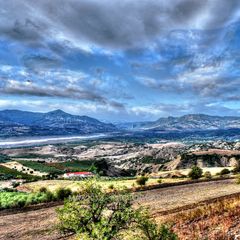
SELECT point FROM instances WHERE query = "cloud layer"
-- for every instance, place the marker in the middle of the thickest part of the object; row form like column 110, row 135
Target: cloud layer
column 126, row 59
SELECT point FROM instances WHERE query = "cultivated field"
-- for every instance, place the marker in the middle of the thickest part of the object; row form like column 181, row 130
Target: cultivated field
column 52, row 185
column 39, row 224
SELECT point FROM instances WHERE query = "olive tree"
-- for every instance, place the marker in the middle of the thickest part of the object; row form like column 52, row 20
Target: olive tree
column 96, row 214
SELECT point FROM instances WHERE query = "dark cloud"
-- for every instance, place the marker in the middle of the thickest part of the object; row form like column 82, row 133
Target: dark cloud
column 28, row 88
column 102, row 22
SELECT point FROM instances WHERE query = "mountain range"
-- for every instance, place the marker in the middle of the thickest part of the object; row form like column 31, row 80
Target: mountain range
column 22, row 123
column 58, row 122
column 190, row 122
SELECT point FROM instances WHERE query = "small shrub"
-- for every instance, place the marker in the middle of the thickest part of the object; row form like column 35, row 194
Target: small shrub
column 111, row 186
column 236, row 169
column 159, row 180
column 62, row 193
column 141, row 181
column 238, row 179
column 195, row 173
column 208, row 175
column 43, row 190
column 225, row 171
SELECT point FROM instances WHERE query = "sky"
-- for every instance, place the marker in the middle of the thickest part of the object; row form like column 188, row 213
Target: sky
column 121, row 60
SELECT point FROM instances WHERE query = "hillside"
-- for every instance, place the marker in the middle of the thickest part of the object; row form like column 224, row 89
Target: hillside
column 187, row 122
column 22, row 123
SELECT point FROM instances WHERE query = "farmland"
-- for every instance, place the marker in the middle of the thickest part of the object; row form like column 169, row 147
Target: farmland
column 39, row 224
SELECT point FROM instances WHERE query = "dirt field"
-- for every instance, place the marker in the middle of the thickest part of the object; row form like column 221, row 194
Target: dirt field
column 39, row 224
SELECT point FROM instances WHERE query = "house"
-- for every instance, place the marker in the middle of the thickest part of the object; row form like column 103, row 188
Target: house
column 78, row 175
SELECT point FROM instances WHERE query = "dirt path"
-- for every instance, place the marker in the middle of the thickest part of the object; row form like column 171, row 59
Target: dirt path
column 39, row 224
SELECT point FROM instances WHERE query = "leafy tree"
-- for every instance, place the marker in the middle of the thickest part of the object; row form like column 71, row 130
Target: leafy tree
column 195, row 173
column 62, row 193
column 97, row 215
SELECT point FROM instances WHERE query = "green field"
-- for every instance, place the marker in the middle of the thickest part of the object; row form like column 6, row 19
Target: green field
column 20, row 199
column 73, row 166
column 41, row 167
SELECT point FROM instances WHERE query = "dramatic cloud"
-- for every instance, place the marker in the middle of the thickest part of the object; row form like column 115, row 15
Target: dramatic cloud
column 118, row 24
column 123, row 59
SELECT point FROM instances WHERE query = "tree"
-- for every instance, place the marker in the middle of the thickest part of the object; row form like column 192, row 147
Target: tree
column 195, row 173
column 97, row 215
column 224, row 172
column 142, row 180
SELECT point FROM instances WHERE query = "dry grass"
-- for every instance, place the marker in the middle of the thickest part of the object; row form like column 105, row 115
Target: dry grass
column 52, row 185
column 219, row 220
column 212, row 170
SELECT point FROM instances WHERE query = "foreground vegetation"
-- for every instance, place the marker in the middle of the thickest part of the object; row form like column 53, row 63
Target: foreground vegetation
column 95, row 214
column 15, row 199
column 217, row 220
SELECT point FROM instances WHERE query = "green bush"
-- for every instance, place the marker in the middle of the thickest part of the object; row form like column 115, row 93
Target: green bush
column 141, row 181
column 195, row 173
column 225, row 171
column 236, row 169
column 159, row 180
column 62, row 193
column 208, row 175
column 238, row 179
column 111, row 186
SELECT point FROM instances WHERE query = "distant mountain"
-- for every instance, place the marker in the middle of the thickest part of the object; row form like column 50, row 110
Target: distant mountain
column 22, row 123
column 188, row 122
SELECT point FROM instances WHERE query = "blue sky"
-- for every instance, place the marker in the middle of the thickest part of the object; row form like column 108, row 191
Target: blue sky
column 122, row 60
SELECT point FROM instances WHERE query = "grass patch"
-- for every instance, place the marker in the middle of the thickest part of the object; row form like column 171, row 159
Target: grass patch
column 73, row 166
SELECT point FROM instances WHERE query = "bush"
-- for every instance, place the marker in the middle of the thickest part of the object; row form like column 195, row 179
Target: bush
column 62, row 193
column 43, row 190
column 159, row 180
column 195, row 173
column 208, row 175
column 238, row 179
column 85, row 215
column 142, row 180
column 111, row 186
column 236, row 169
column 225, row 171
